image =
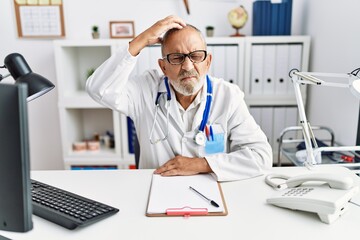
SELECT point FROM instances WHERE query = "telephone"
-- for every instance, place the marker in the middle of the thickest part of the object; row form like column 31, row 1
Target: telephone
column 326, row 194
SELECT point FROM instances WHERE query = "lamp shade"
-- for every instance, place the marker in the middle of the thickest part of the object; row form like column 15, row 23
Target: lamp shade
column 22, row 73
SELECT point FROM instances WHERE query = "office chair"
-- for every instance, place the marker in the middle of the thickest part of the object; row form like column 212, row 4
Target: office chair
column 136, row 151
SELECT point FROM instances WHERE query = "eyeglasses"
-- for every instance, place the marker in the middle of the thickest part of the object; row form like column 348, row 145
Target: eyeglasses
column 197, row 56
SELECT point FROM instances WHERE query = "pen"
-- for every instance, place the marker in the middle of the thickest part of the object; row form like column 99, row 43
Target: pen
column 211, row 133
column 207, row 132
column 212, row 202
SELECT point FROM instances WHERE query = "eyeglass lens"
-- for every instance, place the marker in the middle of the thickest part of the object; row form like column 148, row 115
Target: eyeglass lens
column 178, row 58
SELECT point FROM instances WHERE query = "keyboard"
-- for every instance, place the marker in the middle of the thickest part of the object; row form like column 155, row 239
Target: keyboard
column 65, row 208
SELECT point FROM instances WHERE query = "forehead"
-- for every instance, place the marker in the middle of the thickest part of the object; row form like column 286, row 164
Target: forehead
column 184, row 41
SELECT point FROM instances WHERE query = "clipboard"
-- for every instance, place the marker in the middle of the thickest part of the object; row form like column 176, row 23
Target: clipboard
column 171, row 196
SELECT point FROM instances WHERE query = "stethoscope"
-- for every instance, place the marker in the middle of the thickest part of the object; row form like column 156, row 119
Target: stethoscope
column 200, row 137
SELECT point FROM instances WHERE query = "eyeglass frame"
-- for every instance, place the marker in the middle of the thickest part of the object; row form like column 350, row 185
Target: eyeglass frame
column 185, row 55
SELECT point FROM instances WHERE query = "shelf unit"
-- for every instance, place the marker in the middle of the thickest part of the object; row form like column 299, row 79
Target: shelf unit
column 82, row 118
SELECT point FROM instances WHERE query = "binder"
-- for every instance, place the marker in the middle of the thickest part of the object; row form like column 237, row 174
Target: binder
column 288, row 16
column 291, row 119
column 209, row 50
column 267, row 122
column 269, row 69
column 218, row 61
column 295, row 61
column 256, row 114
column 231, row 64
column 279, row 125
column 256, row 18
column 256, row 84
column 267, row 18
column 281, row 70
column 274, row 30
column 282, row 19
column 171, row 196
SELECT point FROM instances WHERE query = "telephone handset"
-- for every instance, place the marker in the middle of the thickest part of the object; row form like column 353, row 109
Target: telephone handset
column 334, row 181
column 326, row 194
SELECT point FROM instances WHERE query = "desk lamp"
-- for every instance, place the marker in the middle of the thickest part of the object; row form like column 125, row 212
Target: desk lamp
column 19, row 69
column 313, row 154
column 15, row 195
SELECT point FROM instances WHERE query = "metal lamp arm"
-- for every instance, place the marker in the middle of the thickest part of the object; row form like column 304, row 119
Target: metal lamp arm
column 301, row 78
column 307, row 132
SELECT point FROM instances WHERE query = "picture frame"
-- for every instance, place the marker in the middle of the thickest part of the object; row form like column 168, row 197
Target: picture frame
column 122, row 29
column 39, row 19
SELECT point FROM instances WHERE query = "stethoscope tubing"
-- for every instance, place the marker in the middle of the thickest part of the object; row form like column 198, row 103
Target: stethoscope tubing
column 168, row 93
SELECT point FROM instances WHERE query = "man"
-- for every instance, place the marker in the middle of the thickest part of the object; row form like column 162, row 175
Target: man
column 186, row 121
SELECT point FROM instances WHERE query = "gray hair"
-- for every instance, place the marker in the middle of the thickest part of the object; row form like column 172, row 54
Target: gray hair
column 174, row 30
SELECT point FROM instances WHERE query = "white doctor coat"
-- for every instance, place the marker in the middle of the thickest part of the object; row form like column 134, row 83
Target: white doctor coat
column 247, row 152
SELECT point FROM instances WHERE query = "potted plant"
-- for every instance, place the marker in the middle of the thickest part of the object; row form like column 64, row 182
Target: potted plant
column 209, row 31
column 95, row 32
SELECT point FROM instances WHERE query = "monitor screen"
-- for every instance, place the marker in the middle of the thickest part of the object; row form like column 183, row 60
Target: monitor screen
column 15, row 195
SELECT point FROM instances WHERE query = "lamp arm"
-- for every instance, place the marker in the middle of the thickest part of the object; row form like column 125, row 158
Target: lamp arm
column 307, row 132
column 301, row 78
column 4, row 76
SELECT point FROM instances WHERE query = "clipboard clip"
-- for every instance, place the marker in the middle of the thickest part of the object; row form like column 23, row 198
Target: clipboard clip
column 186, row 211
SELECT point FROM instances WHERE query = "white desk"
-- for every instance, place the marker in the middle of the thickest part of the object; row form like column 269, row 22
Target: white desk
column 249, row 216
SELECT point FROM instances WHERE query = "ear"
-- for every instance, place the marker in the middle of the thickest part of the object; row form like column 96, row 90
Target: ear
column 162, row 64
column 208, row 61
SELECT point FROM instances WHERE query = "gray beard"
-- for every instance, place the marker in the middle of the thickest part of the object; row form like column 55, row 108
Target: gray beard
column 187, row 89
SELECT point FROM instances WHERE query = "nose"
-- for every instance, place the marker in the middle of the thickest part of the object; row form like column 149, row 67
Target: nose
column 187, row 64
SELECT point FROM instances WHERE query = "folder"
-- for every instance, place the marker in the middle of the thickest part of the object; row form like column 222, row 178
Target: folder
column 282, row 78
column 279, row 125
column 288, row 14
column 257, row 56
column 269, row 69
column 171, row 196
column 295, row 61
column 267, row 120
column 218, row 61
column 274, row 30
column 231, row 64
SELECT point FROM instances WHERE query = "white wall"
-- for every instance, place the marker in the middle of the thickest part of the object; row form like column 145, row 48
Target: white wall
column 334, row 28
column 80, row 15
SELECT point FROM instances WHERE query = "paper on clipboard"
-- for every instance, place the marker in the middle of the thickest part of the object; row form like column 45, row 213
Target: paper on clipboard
column 174, row 193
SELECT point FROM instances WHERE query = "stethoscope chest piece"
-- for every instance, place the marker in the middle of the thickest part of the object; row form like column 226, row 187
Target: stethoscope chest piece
column 200, row 138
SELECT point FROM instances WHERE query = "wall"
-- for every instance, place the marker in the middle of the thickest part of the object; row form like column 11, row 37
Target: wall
column 80, row 15
column 334, row 28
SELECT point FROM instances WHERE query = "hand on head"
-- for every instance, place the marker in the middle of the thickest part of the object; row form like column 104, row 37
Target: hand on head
column 153, row 34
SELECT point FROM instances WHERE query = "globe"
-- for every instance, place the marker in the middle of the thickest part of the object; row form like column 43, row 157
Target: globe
column 237, row 18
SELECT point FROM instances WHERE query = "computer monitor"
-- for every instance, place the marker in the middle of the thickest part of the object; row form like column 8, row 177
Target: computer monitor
column 15, row 195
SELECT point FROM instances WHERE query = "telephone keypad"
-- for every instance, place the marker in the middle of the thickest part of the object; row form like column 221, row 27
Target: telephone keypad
column 299, row 191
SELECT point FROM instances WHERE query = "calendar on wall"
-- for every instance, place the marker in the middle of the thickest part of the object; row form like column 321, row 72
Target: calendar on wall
column 39, row 18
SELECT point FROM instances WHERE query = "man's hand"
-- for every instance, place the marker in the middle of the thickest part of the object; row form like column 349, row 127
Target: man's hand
column 180, row 165
column 152, row 35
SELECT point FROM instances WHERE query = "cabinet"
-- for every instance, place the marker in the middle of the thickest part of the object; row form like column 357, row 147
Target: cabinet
column 268, row 89
column 234, row 59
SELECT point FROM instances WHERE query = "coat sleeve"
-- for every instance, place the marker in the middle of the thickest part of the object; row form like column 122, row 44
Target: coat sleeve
column 108, row 85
